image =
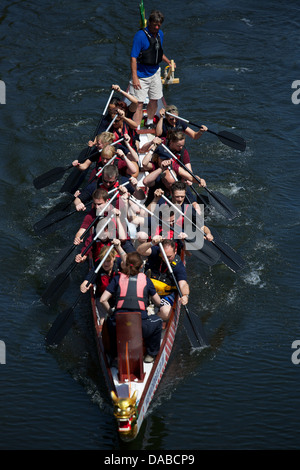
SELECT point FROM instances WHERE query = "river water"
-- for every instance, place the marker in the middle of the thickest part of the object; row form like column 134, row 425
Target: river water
column 236, row 62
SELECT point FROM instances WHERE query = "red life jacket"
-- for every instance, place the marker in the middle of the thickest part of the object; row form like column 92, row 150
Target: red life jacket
column 132, row 292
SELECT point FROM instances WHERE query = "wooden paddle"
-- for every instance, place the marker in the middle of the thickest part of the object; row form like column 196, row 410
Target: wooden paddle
column 227, row 138
column 65, row 319
column 195, row 330
column 216, row 199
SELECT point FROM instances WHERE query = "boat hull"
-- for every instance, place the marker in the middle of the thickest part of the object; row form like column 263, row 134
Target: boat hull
column 145, row 388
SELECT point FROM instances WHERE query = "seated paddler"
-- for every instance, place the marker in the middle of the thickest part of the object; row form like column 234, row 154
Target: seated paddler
column 132, row 289
column 160, row 275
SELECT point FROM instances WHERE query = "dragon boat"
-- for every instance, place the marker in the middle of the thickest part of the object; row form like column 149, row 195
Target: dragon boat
column 132, row 383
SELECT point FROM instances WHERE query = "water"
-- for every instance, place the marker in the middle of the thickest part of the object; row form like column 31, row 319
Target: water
column 236, row 62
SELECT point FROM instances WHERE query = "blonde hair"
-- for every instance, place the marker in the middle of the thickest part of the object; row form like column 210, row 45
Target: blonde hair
column 105, row 138
column 171, row 108
column 108, row 152
column 103, row 252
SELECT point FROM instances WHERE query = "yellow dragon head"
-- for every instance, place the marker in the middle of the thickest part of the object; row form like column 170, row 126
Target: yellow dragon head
column 125, row 411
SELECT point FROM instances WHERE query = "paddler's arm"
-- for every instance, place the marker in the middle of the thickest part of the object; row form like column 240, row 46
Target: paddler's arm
column 193, row 134
column 185, row 290
column 120, row 228
column 135, row 80
column 129, row 121
column 157, row 195
column 189, row 178
column 119, row 249
column 132, row 154
column 156, row 300
column 131, row 166
column 79, row 206
column 149, row 180
column 130, row 97
column 159, row 125
column 145, row 249
column 104, row 301
column 207, row 232
column 165, row 59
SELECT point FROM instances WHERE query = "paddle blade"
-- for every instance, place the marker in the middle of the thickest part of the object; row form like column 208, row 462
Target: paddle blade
column 49, row 220
column 60, row 327
column 66, row 256
column 232, row 140
column 73, row 181
column 222, row 204
column 208, row 254
column 195, row 331
column 49, row 177
column 230, row 257
column 56, row 289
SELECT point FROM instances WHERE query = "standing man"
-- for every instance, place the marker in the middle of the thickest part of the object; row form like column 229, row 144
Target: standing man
column 146, row 55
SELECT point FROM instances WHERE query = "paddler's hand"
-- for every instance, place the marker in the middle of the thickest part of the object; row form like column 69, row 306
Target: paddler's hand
column 133, row 181
column 158, row 194
column 164, row 164
column 77, row 241
column 203, row 182
column 116, row 242
column 157, row 239
column 116, row 212
column 182, row 236
column 136, row 83
column 85, row 286
column 162, row 112
column 80, row 207
column 80, row 259
column 116, row 88
column 120, row 154
column 184, row 299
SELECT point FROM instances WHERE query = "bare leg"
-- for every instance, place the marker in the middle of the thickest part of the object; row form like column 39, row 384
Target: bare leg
column 151, row 108
column 138, row 115
column 164, row 312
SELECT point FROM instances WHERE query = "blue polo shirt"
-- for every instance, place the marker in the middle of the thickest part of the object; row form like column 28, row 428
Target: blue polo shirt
column 141, row 43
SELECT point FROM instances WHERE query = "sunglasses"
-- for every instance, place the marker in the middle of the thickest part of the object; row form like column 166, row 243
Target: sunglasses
column 108, row 182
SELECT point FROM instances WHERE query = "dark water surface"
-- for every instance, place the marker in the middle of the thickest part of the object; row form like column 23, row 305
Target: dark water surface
column 236, row 62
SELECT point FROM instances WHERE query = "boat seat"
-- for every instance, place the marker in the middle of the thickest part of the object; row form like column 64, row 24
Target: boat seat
column 130, row 346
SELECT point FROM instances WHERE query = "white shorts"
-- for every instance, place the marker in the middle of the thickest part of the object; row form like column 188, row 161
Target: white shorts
column 151, row 88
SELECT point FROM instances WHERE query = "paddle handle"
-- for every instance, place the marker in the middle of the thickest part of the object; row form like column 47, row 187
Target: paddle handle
column 188, row 122
column 169, row 268
column 181, row 164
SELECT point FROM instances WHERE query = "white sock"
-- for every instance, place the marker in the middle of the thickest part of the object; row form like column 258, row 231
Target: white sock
column 149, row 121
